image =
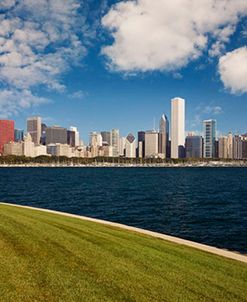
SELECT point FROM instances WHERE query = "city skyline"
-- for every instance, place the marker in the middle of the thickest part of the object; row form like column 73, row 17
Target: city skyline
column 169, row 141
column 87, row 77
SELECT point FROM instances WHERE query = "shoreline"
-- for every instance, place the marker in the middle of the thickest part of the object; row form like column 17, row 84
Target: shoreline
column 199, row 246
column 124, row 165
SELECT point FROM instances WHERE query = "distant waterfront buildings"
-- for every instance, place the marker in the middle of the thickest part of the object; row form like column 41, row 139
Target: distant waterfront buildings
column 59, row 141
column 6, row 133
column 209, row 130
column 177, row 127
column 34, row 128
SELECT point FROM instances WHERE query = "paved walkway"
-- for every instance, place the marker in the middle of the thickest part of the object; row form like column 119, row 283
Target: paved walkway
column 199, row 246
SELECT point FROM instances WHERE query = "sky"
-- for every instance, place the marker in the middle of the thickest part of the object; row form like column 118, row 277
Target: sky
column 106, row 64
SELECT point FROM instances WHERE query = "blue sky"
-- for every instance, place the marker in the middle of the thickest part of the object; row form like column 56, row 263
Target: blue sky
column 99, row 66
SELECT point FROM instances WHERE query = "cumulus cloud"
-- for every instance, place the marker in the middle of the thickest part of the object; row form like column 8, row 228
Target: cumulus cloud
column 233, row 70
column 165, row 35
column 39, row 41
column 12, row 101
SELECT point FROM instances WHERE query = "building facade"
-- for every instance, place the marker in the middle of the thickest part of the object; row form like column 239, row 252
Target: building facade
column 115, row 137
column 209, row 130
column 163, row 136
column 141, row 144
column 151, row 144
column 130, row 146
column 194, row 146
column 19, row 135
column 106, row 137
column 34, row 128
column 56, row 135
column 7, row 134
column 177, row 127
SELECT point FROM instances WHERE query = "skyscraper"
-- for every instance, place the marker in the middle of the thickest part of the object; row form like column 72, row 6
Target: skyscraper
column 151, row 144
column 163, row 136
column 130, row 146
column 77, row 135
column 115, row 136
column 141, row 144
column 34, row 128
column 7, row 128
column 19, row 135
column 193, row 146
column 177, row 127
column 73, row 137
column 209, row 130
column 56, row 135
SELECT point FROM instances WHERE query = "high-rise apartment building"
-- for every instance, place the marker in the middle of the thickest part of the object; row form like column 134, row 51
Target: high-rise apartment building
column 193, row 146
column 115, row 137
column 151, row 144
column 130, row 146
column 223, row 147
column 34, row 128
column 209, row 130
column 177, row 127
column 163, row 136
column 56, row 135
column 7, row 128
column 237, row 147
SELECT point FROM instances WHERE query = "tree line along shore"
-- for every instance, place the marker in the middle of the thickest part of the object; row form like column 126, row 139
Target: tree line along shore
column 101, row 161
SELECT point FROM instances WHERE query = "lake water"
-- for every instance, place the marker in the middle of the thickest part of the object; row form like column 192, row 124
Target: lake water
column 207, row 205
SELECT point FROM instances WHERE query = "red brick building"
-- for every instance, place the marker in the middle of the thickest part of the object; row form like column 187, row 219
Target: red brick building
column 7, row 130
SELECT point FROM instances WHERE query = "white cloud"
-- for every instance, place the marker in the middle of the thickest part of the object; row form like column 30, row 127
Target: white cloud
column 213, row 110
column 39, row 41
column 165, row 35
column 233, row 70
column 13, row 101
column 79, row 94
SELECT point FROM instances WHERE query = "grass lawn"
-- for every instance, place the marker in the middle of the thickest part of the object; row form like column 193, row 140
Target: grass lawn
column 48, row 257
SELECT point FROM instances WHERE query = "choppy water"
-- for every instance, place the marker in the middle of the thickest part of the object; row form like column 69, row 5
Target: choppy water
column 207, row 205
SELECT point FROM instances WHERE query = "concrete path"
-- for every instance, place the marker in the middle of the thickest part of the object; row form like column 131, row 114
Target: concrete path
column 199, row 246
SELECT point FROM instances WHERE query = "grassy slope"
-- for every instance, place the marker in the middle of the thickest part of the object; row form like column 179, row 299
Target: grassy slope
column 47, row 257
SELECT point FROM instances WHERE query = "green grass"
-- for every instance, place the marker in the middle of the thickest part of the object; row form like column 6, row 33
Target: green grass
column 48, row 257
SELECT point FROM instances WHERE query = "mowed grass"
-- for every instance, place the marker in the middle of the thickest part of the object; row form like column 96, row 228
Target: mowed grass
column 48, row 257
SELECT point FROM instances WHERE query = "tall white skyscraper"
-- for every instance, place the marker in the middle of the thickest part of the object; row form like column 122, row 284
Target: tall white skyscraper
column 177, row 127
column 34, row 128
